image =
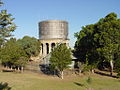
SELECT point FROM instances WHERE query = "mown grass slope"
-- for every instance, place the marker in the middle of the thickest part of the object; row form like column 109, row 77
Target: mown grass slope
column 34, row 81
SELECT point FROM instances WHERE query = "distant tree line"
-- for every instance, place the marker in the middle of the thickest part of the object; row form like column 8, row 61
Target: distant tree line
column 98, row 45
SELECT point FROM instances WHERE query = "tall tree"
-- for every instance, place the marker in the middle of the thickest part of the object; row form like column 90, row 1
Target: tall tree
column 6, row 25
column 100, row 42
column 108, row 39
column 60, row 58
column 1, row 3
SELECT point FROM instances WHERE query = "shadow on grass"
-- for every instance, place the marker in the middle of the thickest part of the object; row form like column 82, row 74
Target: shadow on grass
column 4, row 86
column 79, row 84
column 44, row 68
column 105, row 74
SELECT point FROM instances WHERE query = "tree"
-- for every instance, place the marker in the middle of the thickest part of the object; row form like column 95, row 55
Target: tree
column 117, row 67
column 85, row 47
column 12, row 55
column 108, row 39
column 1, row 3
column 6, row 25
column 100, row 42
column 31, row 45
column 60, row 58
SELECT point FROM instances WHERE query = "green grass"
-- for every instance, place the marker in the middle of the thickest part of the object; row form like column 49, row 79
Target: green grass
column 33, row 81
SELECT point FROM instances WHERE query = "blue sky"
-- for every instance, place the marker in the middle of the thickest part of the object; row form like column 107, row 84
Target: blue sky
column 78, row 13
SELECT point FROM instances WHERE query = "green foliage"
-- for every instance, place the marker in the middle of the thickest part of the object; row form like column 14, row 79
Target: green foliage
column 6, row 26
column 30, row 45
column 89, row 80
column 117, row 67
column 118, row 75
column 1, row 3
column 4, row 86
column 60, row 57
column 99, row 42
column 85, row 67
column 12, row 54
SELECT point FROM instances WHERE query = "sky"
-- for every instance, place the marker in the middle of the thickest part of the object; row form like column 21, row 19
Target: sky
column 77, row 13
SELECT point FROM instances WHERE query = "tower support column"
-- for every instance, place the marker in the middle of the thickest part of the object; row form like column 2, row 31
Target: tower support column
column 49, row 47
column 44, row 49
column 41, row 49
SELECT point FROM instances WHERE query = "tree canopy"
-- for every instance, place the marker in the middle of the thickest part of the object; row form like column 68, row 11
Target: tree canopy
column 30, row 45
column 6, row 25
column 99, row 42
column 16, row 53
column 12, row 55
column 60, row 58
column 1, row 3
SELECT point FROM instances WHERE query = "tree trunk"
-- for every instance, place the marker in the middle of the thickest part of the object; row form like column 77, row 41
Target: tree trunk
column 61, row 74
column 79, row 70
column 11, row 68
column 92, row 71
column 54, row 72
column 22, row 68
column 18, row 68
column 111, row 67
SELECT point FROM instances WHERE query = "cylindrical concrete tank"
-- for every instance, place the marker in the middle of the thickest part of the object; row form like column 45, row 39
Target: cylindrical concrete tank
column 53, row 29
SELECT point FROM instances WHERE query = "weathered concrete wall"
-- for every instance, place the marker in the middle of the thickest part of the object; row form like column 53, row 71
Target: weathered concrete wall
column 53, row 29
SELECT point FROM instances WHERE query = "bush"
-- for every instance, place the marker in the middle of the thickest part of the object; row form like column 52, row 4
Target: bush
column 118, row 75
column 89, row 80
column 4, row 86
column 117, row 67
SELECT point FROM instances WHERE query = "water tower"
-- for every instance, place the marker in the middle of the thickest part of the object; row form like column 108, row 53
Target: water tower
column 51, row 33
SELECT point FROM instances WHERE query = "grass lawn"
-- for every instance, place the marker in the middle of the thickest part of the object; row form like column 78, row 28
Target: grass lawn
column 34, row 81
